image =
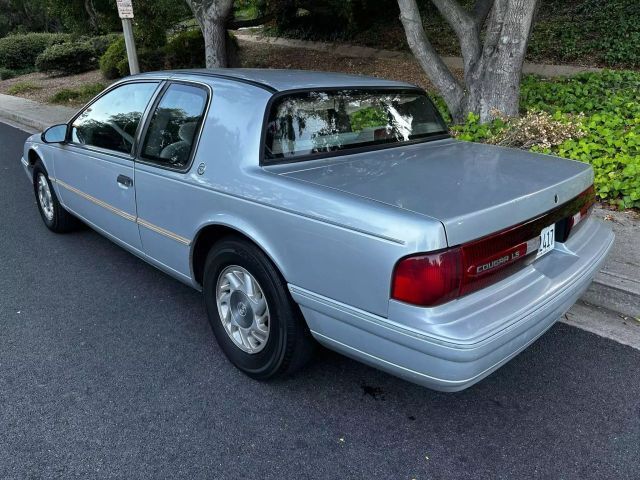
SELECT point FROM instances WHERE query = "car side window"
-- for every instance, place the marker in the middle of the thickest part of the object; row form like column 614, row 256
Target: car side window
column 174, row 125
column 111, row 121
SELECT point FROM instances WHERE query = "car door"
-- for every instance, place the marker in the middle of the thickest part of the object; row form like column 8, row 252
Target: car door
column 95, row 168
column 166, row 201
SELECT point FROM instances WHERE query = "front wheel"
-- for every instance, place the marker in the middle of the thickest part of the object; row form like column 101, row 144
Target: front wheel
column 256, row 322
column 53, row 214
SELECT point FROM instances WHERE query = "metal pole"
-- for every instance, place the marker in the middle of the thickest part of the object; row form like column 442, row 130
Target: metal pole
column 132, row 56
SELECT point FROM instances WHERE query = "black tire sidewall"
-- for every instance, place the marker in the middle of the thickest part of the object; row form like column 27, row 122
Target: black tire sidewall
column 37, row 170
column 271, row 358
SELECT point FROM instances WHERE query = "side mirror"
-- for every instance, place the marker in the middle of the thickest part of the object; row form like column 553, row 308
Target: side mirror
column 55, row 134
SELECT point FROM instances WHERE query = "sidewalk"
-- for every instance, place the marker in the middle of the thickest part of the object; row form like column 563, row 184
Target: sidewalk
column 347, row 50
column 33, row 114
column 616, row 288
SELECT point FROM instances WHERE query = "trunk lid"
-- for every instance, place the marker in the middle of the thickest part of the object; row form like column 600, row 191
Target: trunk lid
column 473, row 189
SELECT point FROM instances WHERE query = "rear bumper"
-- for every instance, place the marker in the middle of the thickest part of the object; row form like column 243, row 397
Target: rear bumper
column 455, row 345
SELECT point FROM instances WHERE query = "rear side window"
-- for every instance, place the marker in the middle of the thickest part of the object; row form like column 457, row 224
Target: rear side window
column 174, row 125
column 111, row 121
column 313, row 124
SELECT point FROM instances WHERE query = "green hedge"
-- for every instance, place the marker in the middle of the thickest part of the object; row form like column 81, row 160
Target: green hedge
column 20, row 51
column 7, row 73
column 605, row 110
column 100, row 43
column 185, row 50
column 68, row 58
column 114, row 63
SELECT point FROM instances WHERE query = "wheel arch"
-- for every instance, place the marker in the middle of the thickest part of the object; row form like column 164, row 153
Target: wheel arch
column 212, row 233
column 33, row 157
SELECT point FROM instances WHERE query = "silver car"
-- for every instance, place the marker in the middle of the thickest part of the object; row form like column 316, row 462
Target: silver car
column 327, row 207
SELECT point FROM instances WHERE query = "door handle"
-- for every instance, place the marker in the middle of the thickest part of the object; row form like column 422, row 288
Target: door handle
column 125, row 181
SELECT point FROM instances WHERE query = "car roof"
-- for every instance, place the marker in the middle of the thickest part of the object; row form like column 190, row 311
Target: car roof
column 282, row 80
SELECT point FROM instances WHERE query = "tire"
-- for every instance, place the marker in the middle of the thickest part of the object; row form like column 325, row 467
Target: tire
column 53, row 214
column 288, row 345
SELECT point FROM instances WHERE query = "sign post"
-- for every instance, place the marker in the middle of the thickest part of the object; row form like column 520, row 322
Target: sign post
column 125, row 11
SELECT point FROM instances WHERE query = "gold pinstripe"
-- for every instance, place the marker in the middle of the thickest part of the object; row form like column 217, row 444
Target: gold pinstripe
column 164, row 232
column 123, row 214
column 111, row 208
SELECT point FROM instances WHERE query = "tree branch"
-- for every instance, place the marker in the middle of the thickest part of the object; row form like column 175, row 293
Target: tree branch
column 460, row 20
column 467, row 31
column 481, row 10
column 430, row 61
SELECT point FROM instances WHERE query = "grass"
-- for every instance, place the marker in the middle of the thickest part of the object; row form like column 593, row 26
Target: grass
column 23, row 87
column 77, row 95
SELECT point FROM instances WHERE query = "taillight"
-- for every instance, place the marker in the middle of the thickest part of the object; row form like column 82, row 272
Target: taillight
column 432, row 279
column 589, row 199
column 428, row 280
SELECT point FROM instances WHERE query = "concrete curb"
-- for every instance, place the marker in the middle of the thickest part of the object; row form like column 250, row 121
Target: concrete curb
column 356, row 51
column 33, row 114
column 616, row 287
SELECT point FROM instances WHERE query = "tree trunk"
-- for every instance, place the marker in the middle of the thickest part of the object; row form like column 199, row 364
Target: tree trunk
column 503, row 53
column 93, row 16
column 212, row 16
column 492, row 70
column 215, row 43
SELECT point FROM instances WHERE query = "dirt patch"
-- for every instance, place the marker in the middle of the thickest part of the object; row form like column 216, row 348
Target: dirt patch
column 47, row 86
column 269, row 56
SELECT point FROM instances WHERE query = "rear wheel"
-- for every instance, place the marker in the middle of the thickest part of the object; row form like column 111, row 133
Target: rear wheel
column 256, row 322
column 53, row 214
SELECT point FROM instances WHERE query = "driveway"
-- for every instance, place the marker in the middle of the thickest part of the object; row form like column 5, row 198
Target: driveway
column 109, row 369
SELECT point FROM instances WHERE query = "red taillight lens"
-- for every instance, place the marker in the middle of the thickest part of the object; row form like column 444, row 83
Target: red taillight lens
column 428, row 280
column 588, row 197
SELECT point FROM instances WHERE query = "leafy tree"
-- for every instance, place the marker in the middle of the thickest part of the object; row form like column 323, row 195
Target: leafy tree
column 493, row 37
column 85, row 16
column 151, row 21
column 24, row 15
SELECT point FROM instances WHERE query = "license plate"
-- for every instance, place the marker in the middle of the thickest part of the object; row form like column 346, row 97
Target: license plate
column 547, row 240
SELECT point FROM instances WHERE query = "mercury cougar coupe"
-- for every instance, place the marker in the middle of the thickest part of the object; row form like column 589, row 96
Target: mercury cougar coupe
column 333, row 207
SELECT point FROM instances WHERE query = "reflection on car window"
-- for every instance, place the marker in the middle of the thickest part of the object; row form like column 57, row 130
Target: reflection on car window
column 112, row 120
column 313, row 123
column 174, row 125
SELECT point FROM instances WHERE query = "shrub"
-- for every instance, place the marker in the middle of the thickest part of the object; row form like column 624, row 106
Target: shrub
column 185, row 50
column 100, row 43
column 607, row 32
column 22, row 87
column 538, row 131
column 474, row 131
column 77, row 95
column 67, row 58
column 7, row 73
column 20, row 51
column 111, row 62
column 114, row 63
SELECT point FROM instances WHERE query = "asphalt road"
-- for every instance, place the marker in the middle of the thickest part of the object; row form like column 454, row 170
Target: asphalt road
column 109, row 369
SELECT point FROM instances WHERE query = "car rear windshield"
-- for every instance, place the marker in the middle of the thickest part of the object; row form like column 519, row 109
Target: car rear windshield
column 315, row 124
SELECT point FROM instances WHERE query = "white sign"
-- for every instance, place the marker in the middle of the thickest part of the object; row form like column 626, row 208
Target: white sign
column 125, row 8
